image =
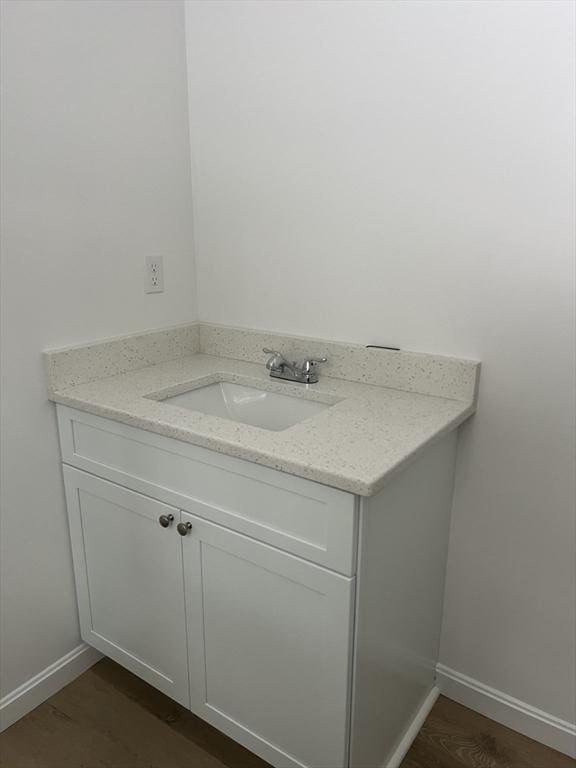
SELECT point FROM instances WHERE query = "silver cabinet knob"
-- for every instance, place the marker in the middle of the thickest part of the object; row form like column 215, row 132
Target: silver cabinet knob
column 183, row 528
column 165, row 520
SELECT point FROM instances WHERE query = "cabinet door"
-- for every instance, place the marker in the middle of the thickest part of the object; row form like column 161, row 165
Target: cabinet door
column 269, row 642
column 129, row 580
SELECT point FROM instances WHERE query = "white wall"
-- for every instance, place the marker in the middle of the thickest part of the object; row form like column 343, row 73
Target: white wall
column 95, row 171
column 403, row 172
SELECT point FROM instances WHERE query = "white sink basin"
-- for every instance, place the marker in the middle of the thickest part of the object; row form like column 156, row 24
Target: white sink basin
column 268, row 410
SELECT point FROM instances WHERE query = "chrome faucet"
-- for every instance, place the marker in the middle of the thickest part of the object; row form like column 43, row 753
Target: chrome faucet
column 281, row 368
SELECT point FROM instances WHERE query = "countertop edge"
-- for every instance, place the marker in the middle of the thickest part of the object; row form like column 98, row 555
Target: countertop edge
column 314, row 474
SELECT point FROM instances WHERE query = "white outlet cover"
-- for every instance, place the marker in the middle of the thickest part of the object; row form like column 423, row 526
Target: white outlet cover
column 154, row 274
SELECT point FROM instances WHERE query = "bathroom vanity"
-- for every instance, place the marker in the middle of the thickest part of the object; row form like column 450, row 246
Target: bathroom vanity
column 285, row 587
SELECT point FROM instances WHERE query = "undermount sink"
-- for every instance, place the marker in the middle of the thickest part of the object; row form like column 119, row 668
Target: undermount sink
column 268, row 410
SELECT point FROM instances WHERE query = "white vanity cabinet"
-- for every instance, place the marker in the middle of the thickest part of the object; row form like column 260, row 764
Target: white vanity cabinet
column 268, row 633
column 298, row 619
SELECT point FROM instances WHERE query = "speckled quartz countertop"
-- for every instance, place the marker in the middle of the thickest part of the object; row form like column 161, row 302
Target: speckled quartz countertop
column 356, row 445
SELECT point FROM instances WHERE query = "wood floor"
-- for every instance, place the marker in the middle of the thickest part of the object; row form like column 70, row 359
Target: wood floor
column 108, row 718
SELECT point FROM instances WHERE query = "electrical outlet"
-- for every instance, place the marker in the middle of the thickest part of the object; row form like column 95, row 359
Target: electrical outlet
column 154, row 274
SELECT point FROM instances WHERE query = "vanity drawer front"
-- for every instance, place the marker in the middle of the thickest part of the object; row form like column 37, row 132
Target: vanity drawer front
column 311, row 520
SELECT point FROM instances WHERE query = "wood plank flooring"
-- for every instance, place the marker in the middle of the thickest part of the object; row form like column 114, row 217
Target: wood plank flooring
column 108, row 718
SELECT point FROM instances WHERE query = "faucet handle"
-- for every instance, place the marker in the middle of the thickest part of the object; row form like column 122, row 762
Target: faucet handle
column 276, row 360
column 309, row 363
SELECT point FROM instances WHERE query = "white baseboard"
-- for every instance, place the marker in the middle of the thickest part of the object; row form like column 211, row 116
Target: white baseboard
column 513, row 713
column 395, row 760
column 33, row 692
column 535, row 723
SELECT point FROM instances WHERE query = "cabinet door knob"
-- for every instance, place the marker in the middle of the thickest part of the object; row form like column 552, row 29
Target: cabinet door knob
column 183, row 528
column 165, row 520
